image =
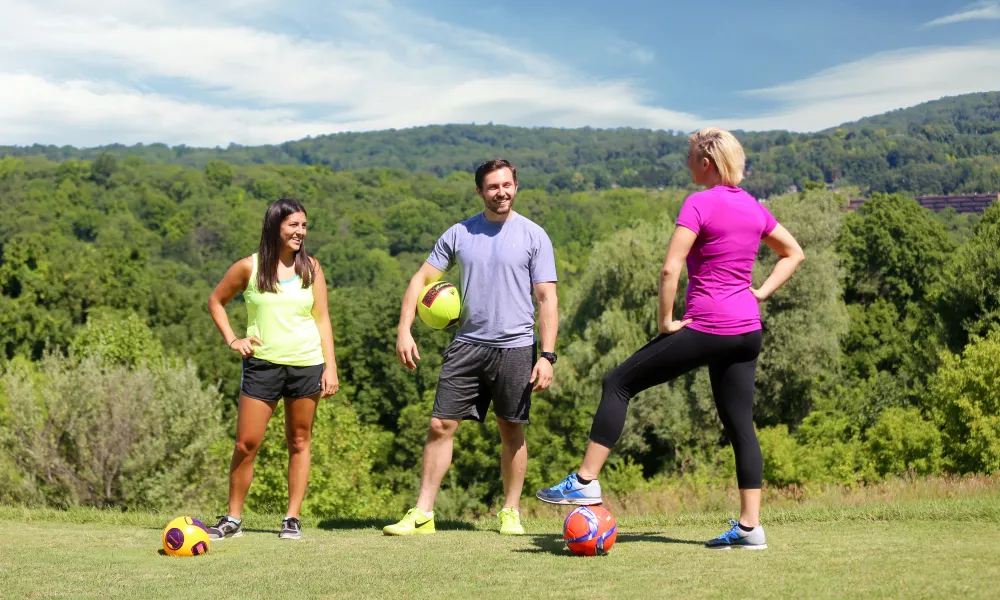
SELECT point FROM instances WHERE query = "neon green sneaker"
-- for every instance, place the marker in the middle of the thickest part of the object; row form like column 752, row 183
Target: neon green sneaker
column 416, row 522
column 510, row 522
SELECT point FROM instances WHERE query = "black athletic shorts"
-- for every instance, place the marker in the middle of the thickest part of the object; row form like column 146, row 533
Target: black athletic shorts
column 268, row 381
column 472, row 376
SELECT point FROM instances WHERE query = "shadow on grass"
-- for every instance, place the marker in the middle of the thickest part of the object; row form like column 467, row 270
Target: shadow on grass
column 272, row 531
column 379, row 523
column 655, row 537
column 439, row 524
column 547, row 544
column 245, row 530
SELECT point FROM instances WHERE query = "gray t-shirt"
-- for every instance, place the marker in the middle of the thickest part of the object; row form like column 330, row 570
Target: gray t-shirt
column 499, row 263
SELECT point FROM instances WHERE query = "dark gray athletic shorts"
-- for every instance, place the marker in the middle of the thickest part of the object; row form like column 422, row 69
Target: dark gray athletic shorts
column 269, row 381
column 472, row 376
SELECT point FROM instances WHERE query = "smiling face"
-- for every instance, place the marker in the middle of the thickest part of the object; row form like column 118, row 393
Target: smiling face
column 293, row 231
column 498, row 191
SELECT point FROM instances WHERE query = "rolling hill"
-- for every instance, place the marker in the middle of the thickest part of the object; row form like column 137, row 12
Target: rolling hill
column 941, row 147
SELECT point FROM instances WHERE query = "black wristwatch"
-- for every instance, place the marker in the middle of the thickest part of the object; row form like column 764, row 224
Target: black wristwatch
column 549, row 356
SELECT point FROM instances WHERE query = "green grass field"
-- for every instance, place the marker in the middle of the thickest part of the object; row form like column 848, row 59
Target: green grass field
column 940, row 548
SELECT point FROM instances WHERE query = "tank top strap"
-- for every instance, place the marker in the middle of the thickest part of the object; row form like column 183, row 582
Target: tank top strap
column 283, row 321
column 252, row 283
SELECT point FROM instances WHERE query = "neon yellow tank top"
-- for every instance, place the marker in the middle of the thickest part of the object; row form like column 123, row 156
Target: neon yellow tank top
column 283, row 322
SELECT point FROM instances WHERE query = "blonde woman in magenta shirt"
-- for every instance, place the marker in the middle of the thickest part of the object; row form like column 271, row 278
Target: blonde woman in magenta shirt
column 718, row 233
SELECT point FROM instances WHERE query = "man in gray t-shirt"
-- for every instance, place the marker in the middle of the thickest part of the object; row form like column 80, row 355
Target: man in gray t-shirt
column 499, row 262
column 503, row 259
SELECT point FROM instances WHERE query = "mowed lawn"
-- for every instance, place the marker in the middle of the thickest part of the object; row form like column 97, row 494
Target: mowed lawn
column 919, row 549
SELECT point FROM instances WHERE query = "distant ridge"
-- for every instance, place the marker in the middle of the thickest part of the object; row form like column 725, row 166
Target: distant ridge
column 948, row 146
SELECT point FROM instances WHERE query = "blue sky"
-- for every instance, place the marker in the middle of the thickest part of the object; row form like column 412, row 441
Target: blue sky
column 212, row 72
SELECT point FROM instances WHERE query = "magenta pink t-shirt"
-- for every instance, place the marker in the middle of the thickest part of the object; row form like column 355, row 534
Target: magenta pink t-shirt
column 730, row 224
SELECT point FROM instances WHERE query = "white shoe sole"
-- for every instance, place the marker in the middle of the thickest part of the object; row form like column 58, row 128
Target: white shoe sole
column 227, row 537
column 572, row 501
column 754, row 547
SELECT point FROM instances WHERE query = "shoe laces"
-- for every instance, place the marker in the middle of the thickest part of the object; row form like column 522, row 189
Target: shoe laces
column 411, row 515
column 731, row 533
column 225, row 520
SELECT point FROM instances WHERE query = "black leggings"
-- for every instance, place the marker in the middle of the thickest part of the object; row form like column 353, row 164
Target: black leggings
column 732, row 365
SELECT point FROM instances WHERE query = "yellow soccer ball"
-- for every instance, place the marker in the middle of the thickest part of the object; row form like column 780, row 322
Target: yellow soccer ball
column 439, row 305
column 185, row 536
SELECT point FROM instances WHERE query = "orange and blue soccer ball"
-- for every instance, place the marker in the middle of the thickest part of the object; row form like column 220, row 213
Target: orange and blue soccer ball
column 185, row 536
column 589, row 531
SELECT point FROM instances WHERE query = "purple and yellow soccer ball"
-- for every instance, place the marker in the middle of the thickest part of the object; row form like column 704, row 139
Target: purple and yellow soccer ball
column 185, row 536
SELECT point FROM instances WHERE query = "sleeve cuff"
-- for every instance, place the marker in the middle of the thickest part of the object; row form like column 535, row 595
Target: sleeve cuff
column 687, row 225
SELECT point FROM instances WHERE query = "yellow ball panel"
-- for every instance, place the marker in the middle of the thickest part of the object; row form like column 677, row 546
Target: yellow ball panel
column 185, row 536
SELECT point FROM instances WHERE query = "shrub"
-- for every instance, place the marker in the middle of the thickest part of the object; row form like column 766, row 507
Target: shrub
column 118, row 339
column 902, row 441
column 341, row 482
column 965, row 394
column 824, row 450
column 83, row 432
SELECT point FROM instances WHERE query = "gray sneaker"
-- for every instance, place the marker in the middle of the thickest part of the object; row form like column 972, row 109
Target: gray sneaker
column 737, row 538
column 227, row 527
column 291, row 529
column 571, row 491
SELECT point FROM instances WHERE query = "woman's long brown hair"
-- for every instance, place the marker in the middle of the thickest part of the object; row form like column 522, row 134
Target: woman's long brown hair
column 270, row 244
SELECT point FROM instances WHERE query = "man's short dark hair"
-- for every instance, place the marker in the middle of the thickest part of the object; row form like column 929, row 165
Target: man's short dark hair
column 493, row 165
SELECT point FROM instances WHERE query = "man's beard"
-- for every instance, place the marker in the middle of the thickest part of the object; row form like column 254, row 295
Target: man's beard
column 496, row 204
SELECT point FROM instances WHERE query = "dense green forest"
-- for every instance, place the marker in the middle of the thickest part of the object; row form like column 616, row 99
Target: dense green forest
column 882, row 355
column 947, row 146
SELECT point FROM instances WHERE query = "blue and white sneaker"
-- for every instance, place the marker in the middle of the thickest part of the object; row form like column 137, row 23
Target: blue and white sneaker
column 737, row 538
column 571, row 491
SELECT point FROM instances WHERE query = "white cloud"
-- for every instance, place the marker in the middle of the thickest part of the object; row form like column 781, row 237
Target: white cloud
column 974, row 12
column 375, row 67
column 634, row 52
column 877, row 84
column 211, row 72
column 36, row 110
column 643, row 56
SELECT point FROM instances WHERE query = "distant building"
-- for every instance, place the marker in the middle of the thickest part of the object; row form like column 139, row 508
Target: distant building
column 962, row 203
column 970, row 203
column 855, row 203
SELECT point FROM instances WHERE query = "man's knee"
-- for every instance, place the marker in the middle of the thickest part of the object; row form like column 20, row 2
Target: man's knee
column 441, row 429
column 511, row 433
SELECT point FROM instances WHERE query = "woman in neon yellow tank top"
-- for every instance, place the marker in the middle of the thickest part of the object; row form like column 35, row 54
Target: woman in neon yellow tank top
column 287, row 353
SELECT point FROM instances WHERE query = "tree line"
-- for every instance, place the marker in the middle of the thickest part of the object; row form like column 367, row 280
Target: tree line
column 942, row 147
column 881, row 355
